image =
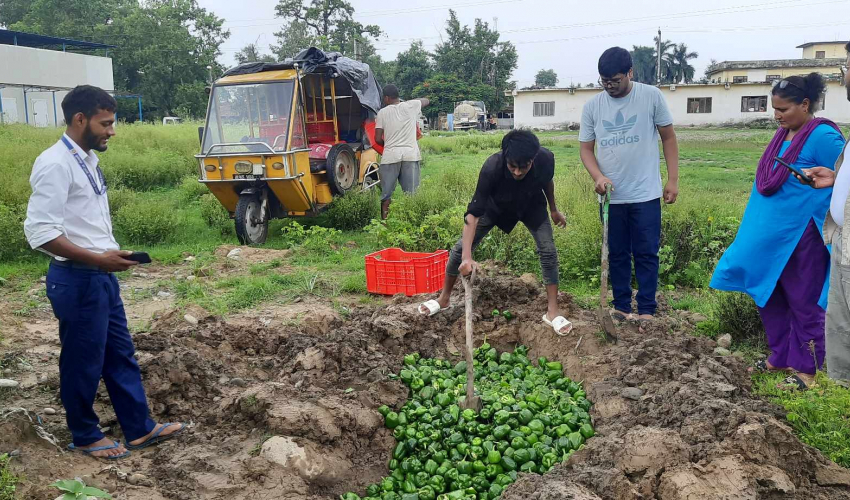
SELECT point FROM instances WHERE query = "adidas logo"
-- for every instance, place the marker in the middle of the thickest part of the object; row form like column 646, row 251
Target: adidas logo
column 620, row 125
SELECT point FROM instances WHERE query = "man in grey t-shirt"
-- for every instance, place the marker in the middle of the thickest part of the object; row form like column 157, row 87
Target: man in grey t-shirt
column 623, row 124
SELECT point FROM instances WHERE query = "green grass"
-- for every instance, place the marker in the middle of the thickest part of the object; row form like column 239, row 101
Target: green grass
column 818, row 416
column 8, row 479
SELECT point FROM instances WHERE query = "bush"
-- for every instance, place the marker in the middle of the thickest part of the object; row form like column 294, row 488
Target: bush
column 143, row 172
column 215, row 215
column 145, row 224
column 191, row 190
column 119, row 197
column 14, row 242
column 354, row 211
column 738, row 316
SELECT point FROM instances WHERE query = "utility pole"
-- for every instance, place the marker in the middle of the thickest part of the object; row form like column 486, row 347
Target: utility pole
column 658, row 61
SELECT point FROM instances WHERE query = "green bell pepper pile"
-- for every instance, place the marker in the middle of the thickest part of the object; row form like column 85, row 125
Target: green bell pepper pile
column 532, row 419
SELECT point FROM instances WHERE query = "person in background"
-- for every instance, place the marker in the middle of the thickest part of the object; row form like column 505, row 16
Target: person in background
column 515, row 185
column 624, row 124
column 68, row 218
column 778, row 257
column 395, row 130
column 838, row 310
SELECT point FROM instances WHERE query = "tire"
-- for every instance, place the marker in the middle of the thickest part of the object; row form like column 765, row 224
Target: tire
column 342, row 169
column 248, row 212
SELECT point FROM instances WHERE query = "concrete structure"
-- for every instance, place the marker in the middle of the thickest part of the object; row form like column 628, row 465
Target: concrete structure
column 696, row 104
column 34, row 80
column 826, row 58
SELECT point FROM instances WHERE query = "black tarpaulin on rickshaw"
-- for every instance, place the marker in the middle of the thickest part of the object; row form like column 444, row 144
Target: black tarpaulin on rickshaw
column 358, row 75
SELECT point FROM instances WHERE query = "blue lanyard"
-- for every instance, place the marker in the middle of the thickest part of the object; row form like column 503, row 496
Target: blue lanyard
column 83, row 166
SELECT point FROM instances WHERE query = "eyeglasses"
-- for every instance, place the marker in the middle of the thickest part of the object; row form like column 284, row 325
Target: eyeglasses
column 785, row 83
column 604, row 82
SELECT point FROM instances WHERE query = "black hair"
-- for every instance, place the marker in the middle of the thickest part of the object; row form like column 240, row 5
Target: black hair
column 847, row 47
column 391, row 91
column 615, row 61
column 799, row 88
column 87, row 100
column 520, row 146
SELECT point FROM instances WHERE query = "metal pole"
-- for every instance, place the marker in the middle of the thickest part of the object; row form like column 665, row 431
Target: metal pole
column 658, row 62
column 55, row 115
column 26, row 108
column 2, row 119
column 141, row 119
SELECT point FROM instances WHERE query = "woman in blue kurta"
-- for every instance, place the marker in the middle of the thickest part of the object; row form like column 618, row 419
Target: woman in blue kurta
column 778, row 256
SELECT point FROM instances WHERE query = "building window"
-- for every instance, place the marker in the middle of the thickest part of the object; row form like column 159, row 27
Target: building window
column 739, row 79
column 754, row 104
column 544, row 108
column 699, row 105
column 772, row 78
column 821, row 54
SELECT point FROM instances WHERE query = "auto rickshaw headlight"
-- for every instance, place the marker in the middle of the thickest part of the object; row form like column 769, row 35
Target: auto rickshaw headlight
column 277, row 165
column 244, row 167
column 209, row 167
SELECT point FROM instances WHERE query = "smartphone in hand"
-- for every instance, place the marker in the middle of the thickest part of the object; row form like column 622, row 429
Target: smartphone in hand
column 796, row 171
column 140, row 257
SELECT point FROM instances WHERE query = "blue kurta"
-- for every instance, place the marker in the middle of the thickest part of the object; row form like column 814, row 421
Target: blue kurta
column 773, row 225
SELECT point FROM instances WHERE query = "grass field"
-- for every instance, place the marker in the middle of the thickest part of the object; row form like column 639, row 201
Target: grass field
column 158, row 206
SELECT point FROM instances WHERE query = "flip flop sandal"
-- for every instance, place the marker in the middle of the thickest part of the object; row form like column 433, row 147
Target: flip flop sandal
column 157, row 437
column 760, row 366
column 620, row 316
column 795, row 382
column 559, row 324
column 432, row 306
column 88, row 451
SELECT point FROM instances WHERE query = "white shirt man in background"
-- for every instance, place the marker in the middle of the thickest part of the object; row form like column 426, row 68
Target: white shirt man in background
column 395, row 129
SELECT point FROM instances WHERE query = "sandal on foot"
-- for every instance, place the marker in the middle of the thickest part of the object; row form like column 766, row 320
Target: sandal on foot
column 795, row 382
column 621, row 316
column 760, row 366
column 432, row 307
column 157, row 437
column 89, row 451
column 558, row 324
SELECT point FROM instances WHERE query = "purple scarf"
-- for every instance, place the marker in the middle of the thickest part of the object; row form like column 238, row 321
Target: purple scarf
column 769, row 179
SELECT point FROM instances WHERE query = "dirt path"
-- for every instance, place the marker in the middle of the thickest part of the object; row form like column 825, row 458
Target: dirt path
column 282, row 404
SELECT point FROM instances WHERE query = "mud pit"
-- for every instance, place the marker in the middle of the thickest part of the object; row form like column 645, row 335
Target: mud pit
column 289, row 412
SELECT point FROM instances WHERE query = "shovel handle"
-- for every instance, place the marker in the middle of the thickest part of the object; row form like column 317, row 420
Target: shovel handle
column 470, row 373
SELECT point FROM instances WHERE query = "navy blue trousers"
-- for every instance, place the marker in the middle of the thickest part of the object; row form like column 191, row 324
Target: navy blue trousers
column 634, row 231
column 96, row 344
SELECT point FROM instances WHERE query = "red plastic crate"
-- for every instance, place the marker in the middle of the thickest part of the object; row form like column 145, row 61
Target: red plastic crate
column 392, row 270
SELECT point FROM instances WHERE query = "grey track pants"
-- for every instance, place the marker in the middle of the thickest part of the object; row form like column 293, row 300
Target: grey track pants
column 838, row 317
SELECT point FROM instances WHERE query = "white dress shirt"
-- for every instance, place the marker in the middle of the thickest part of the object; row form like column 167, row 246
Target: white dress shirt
column 63, row 202
column 840, row 191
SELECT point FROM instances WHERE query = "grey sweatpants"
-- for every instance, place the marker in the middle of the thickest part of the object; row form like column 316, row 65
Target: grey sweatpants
column 404, row 172
column 838, row 317
column 543, row 237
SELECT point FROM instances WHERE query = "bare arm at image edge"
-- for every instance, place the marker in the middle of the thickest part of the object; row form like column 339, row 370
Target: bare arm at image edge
column 670, row 145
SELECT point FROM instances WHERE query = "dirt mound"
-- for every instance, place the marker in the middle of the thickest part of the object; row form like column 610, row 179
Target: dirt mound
column 289, row 411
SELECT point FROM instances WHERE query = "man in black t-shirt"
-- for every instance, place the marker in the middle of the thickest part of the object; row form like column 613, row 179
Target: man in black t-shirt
column 515, row 185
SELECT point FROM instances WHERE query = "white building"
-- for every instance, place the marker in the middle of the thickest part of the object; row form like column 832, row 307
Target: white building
column 36, row 73
column 695, row 104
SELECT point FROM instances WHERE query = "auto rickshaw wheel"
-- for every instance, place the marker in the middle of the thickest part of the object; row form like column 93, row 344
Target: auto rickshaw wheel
column 342, row 168
column 252, row 225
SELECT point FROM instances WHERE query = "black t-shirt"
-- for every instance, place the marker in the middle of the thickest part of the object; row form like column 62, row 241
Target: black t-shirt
column 506, row 200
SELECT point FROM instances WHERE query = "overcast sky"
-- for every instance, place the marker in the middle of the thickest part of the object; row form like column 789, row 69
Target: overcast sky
column 569, row 35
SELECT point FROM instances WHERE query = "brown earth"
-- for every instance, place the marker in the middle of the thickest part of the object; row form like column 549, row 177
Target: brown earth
column 282, row 405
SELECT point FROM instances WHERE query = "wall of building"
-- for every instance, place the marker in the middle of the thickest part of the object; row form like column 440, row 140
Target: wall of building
column 831, row 50
column 26, row 72
column 725, row 105
column 760, row 75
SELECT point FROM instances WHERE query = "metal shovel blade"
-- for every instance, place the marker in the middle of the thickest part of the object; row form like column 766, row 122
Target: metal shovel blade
column 604, row 316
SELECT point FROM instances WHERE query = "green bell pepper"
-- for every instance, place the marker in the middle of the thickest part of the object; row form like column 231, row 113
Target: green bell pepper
column 464, row 467
column 536, row 426
column 438, row 483
column 427, row 492
column 576, row 440
column 503, row 480
column 421, row 479
column 525, row 416
column 587, row 431
column 408, row 487
column 388, row 484
column 400, row 451
column 494, row 457
column 528, row 467
column 349, row 496
column 492, row 471
column 431, row 467
column 478, row 466
column 508, row 464
column 391, row 420
column 495, row 491
column 501, row 431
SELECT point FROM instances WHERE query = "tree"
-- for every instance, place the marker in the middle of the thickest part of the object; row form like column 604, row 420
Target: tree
column 412, row 68
column 590, row 86
column 330, row 23
column 546, row 78
column 251, row 53
column 643, row 64
column 293, row 37
column 445, row 91
column 680, row 66
column 711, row 65
column 475, row 56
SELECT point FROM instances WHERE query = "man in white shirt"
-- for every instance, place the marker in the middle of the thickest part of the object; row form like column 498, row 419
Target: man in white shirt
column 395, row 129
column 838, row 308
column 68, row 218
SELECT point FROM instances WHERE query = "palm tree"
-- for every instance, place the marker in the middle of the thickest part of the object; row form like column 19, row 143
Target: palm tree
column 667, row 65
column 643, row 63
column 681, row 68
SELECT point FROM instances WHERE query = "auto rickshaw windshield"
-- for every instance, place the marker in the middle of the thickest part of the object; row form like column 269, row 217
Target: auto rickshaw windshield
column 250, row 118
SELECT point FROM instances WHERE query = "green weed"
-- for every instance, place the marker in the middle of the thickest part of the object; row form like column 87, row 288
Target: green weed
column 145, row 224
column 8, row 479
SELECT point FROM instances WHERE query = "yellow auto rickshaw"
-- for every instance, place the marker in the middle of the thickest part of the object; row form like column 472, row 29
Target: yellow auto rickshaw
column 282, row 139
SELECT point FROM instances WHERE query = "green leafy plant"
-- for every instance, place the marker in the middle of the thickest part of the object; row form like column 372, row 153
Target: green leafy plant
column 353, row 211
column 8, row 480
column 12, row 231
column 145, row 224
column 215, row 215
column 75, row 489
